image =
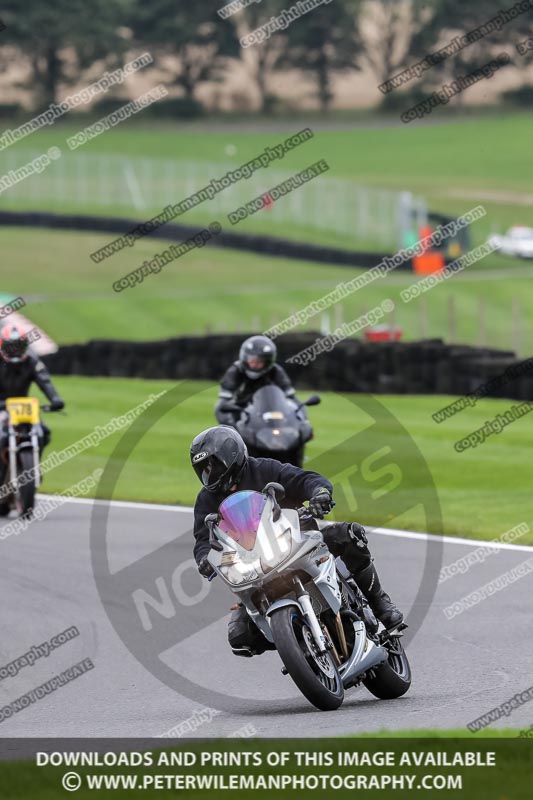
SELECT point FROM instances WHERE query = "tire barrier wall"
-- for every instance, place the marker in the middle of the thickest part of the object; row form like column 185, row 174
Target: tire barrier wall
column 424, row 367
column 264, row 245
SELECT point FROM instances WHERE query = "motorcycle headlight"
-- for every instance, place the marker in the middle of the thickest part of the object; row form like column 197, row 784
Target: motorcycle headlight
column 281, row 550
column 277, row 438
column 237, row 572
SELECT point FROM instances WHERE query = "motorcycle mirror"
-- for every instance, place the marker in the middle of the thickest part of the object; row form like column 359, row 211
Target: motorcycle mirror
column 210, row 520
column 230, row 407
column 314, row 400
column 275, row 490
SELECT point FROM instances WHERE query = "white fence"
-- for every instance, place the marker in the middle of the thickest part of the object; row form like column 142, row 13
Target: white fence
column 144, row 185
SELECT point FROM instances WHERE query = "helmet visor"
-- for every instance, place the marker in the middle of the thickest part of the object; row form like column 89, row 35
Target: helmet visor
column 210, row 470
column 14, row 348
column 256, row 363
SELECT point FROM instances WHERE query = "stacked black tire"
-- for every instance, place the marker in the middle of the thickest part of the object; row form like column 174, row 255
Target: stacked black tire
column 424, row 367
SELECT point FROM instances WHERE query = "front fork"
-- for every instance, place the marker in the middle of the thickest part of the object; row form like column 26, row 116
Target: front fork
column 307, row 607
column 12, row 447
column 36, row 458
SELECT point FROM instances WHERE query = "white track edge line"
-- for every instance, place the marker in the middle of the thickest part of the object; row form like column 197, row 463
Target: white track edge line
column 381, row 531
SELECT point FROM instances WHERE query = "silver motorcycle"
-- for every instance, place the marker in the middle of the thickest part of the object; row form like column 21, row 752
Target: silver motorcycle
column 303, row 600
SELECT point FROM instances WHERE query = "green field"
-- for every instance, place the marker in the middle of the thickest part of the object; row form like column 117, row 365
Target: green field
column 72, row 299
column 455, row 163
column 482, row 492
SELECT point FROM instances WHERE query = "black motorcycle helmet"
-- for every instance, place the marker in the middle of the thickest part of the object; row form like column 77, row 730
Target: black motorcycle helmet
column 257, row 355
column 218, row 456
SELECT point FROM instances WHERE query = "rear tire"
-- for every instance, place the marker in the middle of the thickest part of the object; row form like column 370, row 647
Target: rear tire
column 25, row 500
column 320, row 684
column 391, row 679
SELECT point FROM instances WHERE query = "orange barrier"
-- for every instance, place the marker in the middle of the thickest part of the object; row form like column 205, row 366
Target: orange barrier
column 431, row 261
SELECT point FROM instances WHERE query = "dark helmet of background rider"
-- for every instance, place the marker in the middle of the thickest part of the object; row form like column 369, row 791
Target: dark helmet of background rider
column 257, row 355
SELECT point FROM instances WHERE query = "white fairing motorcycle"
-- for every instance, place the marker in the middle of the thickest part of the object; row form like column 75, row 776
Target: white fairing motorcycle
column 303, row 600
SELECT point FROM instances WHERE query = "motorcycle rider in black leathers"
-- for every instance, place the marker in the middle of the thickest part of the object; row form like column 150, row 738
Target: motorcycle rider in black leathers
column 18, row 370
column 255, row 368
column 220, row 459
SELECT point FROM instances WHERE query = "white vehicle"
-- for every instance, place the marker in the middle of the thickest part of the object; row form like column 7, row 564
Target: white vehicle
column 304, row 601
column 518, row 241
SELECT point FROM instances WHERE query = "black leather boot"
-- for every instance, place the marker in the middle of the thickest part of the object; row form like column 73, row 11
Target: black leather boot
column 379, row 601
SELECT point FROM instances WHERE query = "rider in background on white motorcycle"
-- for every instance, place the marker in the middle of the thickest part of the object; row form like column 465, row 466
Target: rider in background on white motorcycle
column 255, row 368
column 18, row 370
column 220, row 460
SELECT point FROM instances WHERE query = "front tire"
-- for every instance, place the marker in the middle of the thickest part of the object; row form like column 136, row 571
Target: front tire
column 391, row 679
column 25, row 494
column 315, row 676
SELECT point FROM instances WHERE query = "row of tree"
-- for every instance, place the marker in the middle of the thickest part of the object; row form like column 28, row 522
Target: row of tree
column 58, row 41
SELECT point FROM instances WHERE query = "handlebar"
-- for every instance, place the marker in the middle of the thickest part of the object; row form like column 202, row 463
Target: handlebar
column 41, row 408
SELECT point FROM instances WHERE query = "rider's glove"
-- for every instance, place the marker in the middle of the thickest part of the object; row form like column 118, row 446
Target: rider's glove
column 205, row 568
column 57, row 404
column 321, row 503
column 358, row 535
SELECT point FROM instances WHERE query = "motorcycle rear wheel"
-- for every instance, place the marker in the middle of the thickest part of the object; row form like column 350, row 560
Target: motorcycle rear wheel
column 315, row 675
column 391, row 679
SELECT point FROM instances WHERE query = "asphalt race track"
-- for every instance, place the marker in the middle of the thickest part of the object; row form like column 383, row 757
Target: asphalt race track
column 462, row 667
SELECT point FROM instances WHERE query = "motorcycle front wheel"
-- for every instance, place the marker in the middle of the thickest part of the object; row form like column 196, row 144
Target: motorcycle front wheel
column 315, row 675
column 25, row 494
